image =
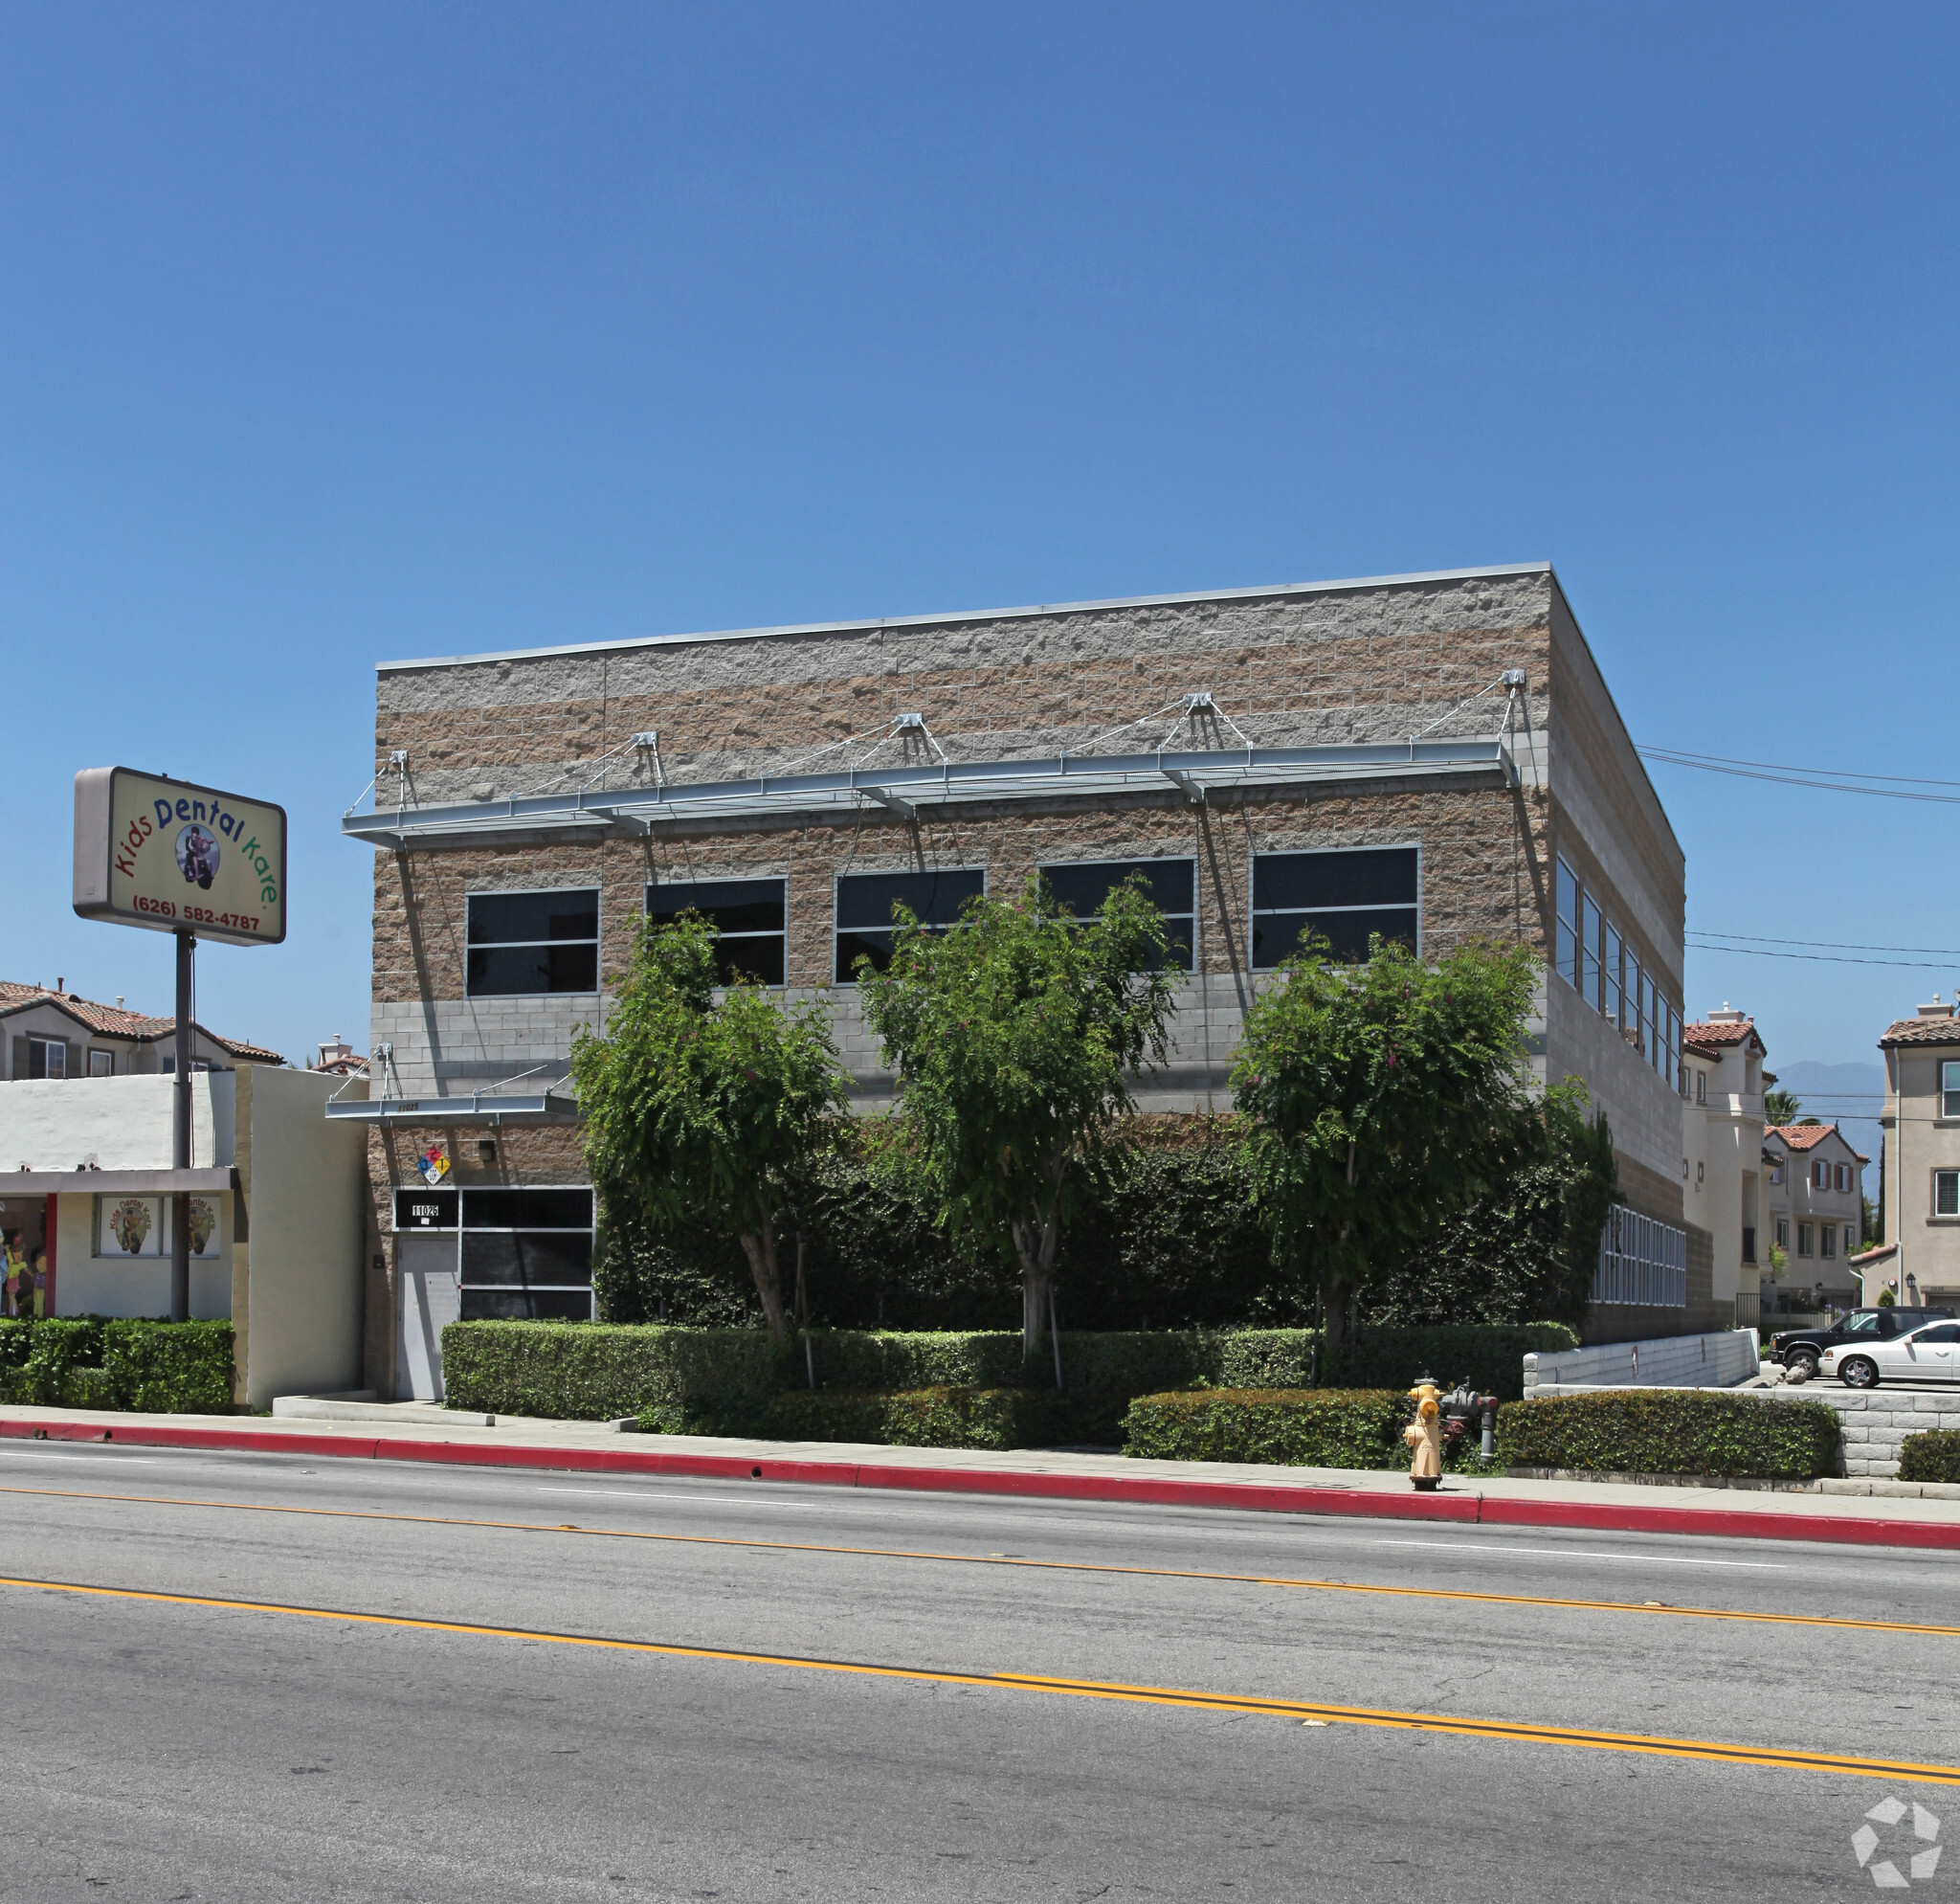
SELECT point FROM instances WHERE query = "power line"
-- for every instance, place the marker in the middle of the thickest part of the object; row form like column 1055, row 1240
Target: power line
column 1820, row 959
column 1828, row 944
column 1800, row 777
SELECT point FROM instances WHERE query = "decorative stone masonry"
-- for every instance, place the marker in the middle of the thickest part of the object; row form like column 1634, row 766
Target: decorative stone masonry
column 1876, row 1422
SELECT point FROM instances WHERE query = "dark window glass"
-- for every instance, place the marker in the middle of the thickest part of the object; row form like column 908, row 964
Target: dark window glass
column 425, row 1209
column 523, row 1209
column 525, row 918
column 1082, row 887
column 500, row 972
column 526, row 1305
column 1278, row 935
column 749, row 913
column 735, row 905
column 528, row 942
column 1312, row 881
column 864, row 910
column 526, row 1259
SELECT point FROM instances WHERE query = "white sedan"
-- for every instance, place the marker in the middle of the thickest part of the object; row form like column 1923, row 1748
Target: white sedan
column 1931, row 1354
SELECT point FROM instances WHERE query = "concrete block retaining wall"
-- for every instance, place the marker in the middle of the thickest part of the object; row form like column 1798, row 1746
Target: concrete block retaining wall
column 1719, row 1360
column 1876, row 1422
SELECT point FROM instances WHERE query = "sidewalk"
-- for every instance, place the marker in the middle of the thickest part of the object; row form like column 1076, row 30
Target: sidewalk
column 1850, row 1512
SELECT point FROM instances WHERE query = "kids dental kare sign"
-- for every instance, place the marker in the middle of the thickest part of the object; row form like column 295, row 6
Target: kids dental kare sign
column 179, row 856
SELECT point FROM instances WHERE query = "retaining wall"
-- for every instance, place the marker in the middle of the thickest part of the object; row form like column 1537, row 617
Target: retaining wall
column 1719, row 1360
column 1875, row 1421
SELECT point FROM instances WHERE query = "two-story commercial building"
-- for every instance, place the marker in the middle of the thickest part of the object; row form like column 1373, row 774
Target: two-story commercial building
column 1435, row 758
column 1920, row 1172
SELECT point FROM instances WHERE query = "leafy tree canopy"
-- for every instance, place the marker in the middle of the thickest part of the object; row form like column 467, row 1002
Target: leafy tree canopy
column 1382, row 1098
column 1014, row 1034
column 706, row 1107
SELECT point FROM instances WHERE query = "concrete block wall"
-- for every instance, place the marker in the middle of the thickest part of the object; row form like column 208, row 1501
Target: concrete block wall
column 1875, row 1421
column 1718, row 1360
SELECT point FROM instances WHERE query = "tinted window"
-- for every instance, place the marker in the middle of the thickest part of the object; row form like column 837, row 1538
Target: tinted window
column 527, row 1209
column 749, row 914
column 1943, row 1332
column 425, row 1209
column 526, row 1259
column 866, row 903
column 1082, row 887
column 1345, row 898
column 526, row 1305
column 521, row 943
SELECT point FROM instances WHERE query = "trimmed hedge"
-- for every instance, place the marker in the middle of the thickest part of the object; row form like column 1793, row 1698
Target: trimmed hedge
column 686, row 1380
column 1934, row 1454
column 152, row 1368
column 1299, row 1427
column 1671, row 1431
column 987, row 1417
column 721, row 1380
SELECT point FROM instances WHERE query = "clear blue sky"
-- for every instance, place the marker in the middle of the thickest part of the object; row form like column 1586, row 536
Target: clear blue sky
column 339, row 334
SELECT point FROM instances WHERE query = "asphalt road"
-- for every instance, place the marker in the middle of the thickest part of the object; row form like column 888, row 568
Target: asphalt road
column 173, row 1748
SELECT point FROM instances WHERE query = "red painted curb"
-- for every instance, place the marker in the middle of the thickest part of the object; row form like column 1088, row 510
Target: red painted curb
column 1467, row 1508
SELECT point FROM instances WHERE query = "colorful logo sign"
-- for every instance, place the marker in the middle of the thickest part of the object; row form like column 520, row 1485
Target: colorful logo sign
column 177, row 857
column 129, row 1223
column 434, row 1164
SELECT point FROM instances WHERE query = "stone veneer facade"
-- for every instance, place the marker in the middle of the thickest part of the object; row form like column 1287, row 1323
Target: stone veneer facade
column 1301, row 667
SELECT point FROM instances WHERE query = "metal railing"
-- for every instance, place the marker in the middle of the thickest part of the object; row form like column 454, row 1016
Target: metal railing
column 1748, row 1310
column 1642, row 1261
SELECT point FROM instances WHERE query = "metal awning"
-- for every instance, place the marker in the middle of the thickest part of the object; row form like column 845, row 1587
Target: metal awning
column 541, row 1107
column 1196, row 776
column 117, row 1183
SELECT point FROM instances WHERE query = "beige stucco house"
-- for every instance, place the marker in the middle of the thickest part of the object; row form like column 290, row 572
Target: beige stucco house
column 1722, row 1167
column 1816, row 1215
column 1922, row 1157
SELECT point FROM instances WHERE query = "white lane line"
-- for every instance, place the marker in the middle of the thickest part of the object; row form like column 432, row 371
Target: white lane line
column 1584, row 1553
column 35, row 1454
column 660, row 1494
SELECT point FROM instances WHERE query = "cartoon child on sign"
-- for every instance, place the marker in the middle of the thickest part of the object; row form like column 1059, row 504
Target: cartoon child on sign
column 197, row 856
column 1425, row 1437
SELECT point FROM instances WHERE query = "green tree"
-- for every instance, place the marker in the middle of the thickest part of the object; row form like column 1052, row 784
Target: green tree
column 708, row 1108
column 1526, row 1248
column 1382, row 1099
column 1780, row 1106
column 1014, row 1034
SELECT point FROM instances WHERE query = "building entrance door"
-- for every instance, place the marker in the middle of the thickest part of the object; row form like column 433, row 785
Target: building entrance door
column 428, row 1297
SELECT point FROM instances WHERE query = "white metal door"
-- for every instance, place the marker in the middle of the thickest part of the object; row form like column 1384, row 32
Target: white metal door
column 429, row 1296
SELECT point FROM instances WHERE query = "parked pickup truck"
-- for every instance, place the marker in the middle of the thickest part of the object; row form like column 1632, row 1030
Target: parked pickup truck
column 1800, row 1348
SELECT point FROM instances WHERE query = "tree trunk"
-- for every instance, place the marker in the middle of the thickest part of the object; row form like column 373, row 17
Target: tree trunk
column 1338, row 1292
column 1035, row 1247
column 761, row 1251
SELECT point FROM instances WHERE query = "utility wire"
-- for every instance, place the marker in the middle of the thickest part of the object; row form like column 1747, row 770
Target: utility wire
column 1822, row 959
column 1827, row 778
column 1826, row 945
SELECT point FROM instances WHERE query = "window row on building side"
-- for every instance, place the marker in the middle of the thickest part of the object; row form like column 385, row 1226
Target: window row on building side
column 1593, row 958
column 547, row 941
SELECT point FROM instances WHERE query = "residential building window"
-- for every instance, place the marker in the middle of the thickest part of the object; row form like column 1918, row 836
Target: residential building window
column 1568, row 924
column 1782, row 1232
column 1749, row 1242
column 1589, row 925
column 1777, row 1176
column 1947, row 1193
column 1850, row 1240
column 1610, row 995
column 46, row 1058
column 1082, row 886
column 1820, row 1177
column 1630, row 1024
column 1843, row 1176
column 526, row 1255
column 1346, row 897
column 521, row 943
column 749, row 915
column 1950, row 1088
column 101, row 1064
column 1673, row 1043
column 1649, row 997
column 1701, row 1089
column 1827, row 1238
column 1803, row 1239
column 864, row 926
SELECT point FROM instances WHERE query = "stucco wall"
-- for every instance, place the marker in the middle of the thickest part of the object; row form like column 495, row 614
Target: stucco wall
column 125, row 1123
column 305, row 1190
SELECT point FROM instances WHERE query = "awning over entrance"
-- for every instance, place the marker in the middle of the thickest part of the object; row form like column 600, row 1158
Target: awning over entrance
column 542, row 1109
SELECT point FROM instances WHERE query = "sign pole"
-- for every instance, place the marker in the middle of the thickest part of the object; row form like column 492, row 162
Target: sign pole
column 180, row 1138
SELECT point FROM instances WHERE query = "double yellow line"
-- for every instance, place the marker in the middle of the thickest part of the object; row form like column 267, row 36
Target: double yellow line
column 1300, row 1712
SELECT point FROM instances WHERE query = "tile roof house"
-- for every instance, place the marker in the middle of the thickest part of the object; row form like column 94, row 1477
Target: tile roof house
column 1920, row 1174
column 1721, row 1168
column 59, row 1034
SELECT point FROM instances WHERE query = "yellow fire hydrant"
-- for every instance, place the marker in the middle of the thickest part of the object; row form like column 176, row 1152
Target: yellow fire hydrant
column 1425, row 1437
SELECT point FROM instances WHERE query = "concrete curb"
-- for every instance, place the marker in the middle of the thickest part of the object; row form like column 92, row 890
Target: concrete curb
column 1467, row 1508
